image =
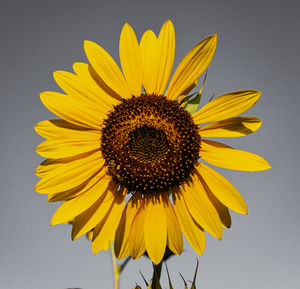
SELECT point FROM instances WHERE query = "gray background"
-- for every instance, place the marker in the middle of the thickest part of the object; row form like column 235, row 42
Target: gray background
column 258, row 48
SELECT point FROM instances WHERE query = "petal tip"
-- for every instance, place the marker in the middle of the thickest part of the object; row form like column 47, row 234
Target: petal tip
column 156, row 261
column 125, row 27
column 43, row 94
column 213, row 39
column 244, row 211
column 265, row 166
column 74, row 236
column 57, row 74
column 76, row 65
column 37, row 149
column 87, row 44
column 94, row 249
column 252, row 91
column 268, row 166
column 169, row 22
column 258, row 93
column 36, row 127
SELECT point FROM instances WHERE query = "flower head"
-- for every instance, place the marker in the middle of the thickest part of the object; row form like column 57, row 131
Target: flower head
column 126, row 156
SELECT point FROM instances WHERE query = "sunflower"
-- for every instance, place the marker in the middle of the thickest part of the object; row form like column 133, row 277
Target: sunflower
column 125, row 159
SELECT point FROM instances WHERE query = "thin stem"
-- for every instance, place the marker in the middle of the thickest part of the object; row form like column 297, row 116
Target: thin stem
column 116, row 268
column 156, row 276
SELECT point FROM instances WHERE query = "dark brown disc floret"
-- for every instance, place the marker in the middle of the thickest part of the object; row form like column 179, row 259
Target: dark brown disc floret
column 150, row 144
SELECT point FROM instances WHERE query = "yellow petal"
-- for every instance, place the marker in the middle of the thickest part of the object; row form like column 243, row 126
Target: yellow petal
column 232, row 127
column 106, row 68
column 222, row 189
column 60, row 128
column 91, row 217
column 69, row 175
column 88, row 74
column 105, row 230
column 226, row 106
column 130, row 58
column 192, row 66
column 51, row 165
column 68, row 210
column 63, row 148
column 191, row 230
column 73, row 192
column 165, row 56
column 136, row 237
column 72, row 109
column 77, row 190
column 200, row 207
column 226, row 157
column 121, row 245
column 148, row 47
column 174, row 239
column 155, row 228
column 89, row 235
column 81, row 88
column 222, row 210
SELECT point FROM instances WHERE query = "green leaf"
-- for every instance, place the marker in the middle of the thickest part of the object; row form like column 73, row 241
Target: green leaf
column 185, row 285
column 193, row 104
column 187, row 98
column 194, row 281
column 170, row 284
column 144, row 279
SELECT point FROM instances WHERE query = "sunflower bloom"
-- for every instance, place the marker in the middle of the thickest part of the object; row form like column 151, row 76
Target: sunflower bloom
column 125, row 157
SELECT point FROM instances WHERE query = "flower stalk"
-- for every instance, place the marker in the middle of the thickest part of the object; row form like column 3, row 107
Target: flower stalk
column 116, row 269
column 156, row 276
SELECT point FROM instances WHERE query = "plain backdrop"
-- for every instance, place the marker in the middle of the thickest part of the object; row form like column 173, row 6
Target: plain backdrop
column 258, row 48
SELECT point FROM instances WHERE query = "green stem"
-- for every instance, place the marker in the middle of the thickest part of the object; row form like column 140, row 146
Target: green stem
column 116, row 268
column 156, row 276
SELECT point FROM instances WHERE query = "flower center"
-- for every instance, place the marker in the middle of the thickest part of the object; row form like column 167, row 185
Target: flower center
column 150, row 144
column 147, row 144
